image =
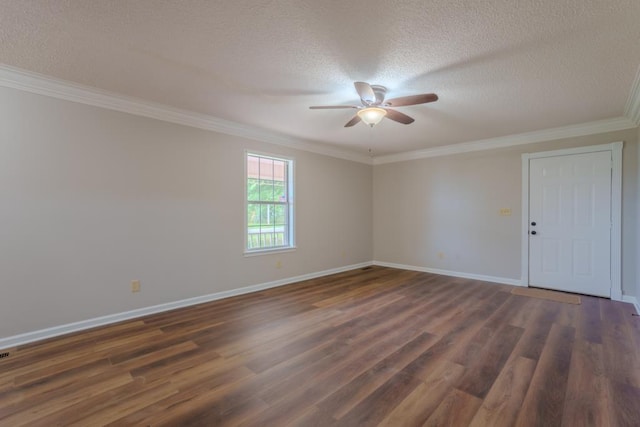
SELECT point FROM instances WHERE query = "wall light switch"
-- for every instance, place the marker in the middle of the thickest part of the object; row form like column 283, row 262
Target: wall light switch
column 135, row 286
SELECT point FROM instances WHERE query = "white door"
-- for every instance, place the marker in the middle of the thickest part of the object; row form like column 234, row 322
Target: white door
column 570, row 223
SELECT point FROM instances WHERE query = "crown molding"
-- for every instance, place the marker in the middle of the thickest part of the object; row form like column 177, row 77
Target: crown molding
column 590, row 128
column 632, row 109
column 28, row 81
column 40, row 84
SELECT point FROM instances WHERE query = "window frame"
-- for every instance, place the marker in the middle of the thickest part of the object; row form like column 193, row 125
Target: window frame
column 290, row 204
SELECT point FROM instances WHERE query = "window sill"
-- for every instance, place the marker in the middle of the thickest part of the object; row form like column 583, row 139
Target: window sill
column 269, row 251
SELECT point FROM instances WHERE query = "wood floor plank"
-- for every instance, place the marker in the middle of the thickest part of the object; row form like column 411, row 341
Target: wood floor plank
column 107, row 414
column 328, row 376
column 418, row 406
column 489, row 361
column 58, row 376
column 47, row 407
column 380, row 401
column 205, row 415
column 359, row 386
column 588, row 398
column 621, row 353
column 448, row 344
column 536, row 330
column 159, row 370
column 67, row 415
column 569, row 314
column 522, row 318
column 315, row 417
column 456, row 409
column 513, row 306
column 152, row 356
column 626, row 398
column 543, row 405
column 65, row 383
column 502, row 404
column 373, row 346
column 445, row 316
column 589, row 320
column 281, row 330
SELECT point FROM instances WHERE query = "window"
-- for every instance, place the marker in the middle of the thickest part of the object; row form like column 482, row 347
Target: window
column 269, row 203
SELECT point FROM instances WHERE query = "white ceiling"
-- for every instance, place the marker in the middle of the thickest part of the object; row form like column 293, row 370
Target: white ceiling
column 500, row 67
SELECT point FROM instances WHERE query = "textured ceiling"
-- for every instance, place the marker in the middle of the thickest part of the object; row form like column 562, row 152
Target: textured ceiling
column 500, row 67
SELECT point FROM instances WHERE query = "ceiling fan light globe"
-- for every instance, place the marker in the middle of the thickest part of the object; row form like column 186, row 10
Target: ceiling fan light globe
column 372, row 115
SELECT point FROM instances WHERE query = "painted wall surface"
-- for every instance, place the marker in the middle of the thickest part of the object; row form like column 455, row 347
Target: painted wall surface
column 444, row 212
column 92, row 199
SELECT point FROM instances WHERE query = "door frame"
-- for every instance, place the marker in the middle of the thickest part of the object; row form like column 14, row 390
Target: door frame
column 616, row 209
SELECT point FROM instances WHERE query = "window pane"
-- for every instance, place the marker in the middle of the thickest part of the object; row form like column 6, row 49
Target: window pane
column 279, row 170
column 264, row 214
column 266, row 190
column 267, row 233
column 266, row 168
column 253, row 167
column 253, row 189
column 253, row 214
column 279, row 190
column 253, row 239
column 280, row 217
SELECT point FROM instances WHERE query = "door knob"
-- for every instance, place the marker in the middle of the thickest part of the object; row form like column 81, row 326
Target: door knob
column 534, row 232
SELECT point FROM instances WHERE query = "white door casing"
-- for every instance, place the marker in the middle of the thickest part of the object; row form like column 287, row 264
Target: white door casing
column 574, row 197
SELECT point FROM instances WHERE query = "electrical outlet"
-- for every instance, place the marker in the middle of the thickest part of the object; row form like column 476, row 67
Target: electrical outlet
column 135, row 286
column 441, row 255
column 278, row 264
column 505, row 212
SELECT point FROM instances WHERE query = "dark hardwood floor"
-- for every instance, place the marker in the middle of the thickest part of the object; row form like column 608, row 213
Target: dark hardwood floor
column 367, row 347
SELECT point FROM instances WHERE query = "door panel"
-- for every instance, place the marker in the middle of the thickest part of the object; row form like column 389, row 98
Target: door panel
column 570, row 204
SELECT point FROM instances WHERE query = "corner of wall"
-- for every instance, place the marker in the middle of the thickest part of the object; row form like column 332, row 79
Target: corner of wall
column 638, row 223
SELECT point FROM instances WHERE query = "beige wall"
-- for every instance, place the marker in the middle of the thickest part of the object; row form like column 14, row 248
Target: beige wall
column 92, row 199
column 450, row 205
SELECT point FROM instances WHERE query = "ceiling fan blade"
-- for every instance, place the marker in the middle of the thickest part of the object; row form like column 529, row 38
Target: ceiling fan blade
column 380, row 92
column 327, row 107
column 366, row 92
column 412, row 100
column 355, row 120
column 398, row 116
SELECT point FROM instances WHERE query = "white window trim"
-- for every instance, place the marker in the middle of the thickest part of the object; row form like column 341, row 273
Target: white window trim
column 291, row 195
column 616, row 209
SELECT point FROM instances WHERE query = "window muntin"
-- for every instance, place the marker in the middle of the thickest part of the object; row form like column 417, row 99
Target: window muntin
column 269, row 203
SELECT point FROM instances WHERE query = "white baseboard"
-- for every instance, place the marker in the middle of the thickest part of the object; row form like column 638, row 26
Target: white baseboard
column 501, row 280
column 632, row 300
column 17, row 340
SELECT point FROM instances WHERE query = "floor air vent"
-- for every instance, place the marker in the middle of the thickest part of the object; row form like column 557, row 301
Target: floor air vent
column 3, row 355
column 366, row 268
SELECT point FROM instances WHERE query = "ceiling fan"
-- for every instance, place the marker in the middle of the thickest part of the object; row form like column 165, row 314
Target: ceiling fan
column 374, row 107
